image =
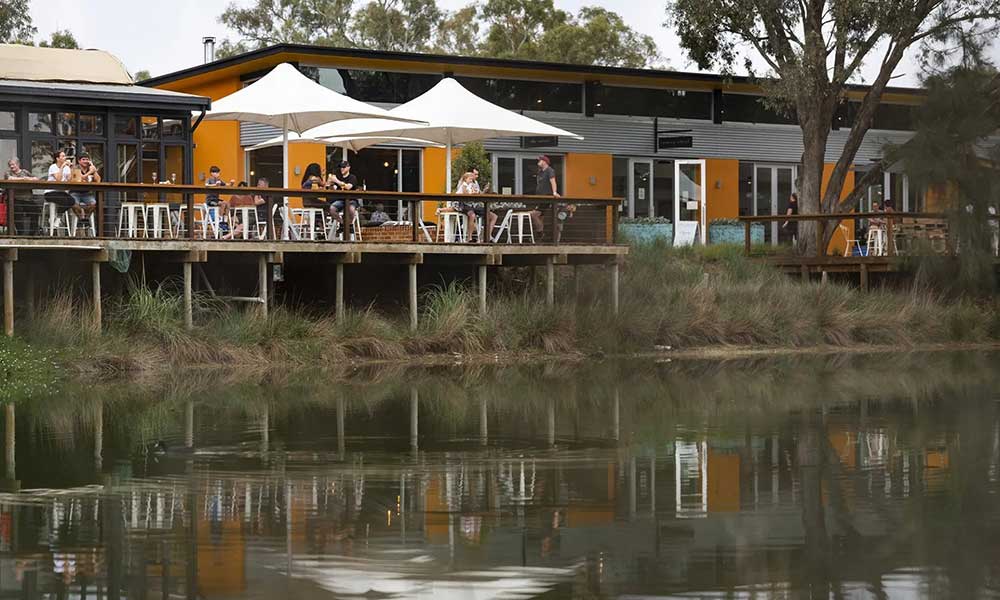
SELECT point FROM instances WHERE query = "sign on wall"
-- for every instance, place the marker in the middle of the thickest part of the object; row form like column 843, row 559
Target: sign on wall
column 685, row 232
column 540, row 141
column 666, row 142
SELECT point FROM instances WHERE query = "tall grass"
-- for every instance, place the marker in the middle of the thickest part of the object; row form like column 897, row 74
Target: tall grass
column 681, row 298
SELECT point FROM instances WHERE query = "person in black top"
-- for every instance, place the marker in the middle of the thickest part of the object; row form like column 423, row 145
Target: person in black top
column 791, row 228
column 344, row 181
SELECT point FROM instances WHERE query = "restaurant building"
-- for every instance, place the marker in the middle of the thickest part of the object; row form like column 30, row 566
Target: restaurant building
column 85, row 101
column 668, row 143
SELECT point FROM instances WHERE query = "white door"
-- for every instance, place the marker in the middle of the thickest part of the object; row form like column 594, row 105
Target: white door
column 689, row 201
column 506, row 175
column 640, row 187
column 772, row 187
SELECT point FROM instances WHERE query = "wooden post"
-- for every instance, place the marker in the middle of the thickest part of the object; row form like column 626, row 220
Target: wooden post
column 890, row 245
column 550, row 282
column 188, row 299
column 482, row 289
column 414, row 418
column 820, row 250
column 413, row 296
column 824, row 278
column 95, row 272
column 864, row 277
column 262, row 271
column 746, row 237
column 8, row 298
column 614, row 289
column 340, row 291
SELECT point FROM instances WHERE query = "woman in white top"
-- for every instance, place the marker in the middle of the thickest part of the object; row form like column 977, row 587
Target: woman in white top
column 61, row 170
column 469, row 184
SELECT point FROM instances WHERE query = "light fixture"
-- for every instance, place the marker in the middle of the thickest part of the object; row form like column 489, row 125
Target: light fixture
column 539, row 101
column 386, row 164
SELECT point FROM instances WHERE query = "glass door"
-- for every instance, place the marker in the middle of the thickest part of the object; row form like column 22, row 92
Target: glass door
column 640, row 186
column 506, row 175
column 772, row 187
column 689, row 202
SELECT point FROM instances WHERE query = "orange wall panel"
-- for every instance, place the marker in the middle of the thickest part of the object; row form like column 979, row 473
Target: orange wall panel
column 217, row 142
column 840, row 237
column 435, row 164
column 722, row 177
column 580, row 168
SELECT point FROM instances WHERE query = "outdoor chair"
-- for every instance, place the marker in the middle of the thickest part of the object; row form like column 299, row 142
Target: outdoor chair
column 158, row 221
column 452, row 226
column 850, row 244
column 524, row 227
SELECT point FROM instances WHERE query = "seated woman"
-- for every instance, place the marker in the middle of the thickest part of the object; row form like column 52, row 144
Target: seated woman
column 468, row 185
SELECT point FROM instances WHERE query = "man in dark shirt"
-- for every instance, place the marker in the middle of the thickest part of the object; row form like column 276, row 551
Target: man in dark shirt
column 27, row 207
column 344, row 181
column 545, row 185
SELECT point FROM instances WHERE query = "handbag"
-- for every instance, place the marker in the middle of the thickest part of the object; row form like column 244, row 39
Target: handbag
column 3, row 210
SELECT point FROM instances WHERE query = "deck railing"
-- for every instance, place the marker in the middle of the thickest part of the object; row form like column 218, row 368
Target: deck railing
column 31, row 204
column 904, row 233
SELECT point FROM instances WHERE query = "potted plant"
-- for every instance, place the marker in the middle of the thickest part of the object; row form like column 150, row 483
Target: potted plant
column 646, row 229
column 733, row 231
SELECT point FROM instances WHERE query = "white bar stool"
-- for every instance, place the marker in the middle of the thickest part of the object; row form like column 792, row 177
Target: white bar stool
column 73, row 224
column 247, row 216
column 524, row 227
column 158, row 221
column 128, row 219
column 451, row 226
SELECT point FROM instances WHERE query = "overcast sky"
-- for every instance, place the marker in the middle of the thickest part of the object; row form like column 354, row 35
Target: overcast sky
column 168, row 37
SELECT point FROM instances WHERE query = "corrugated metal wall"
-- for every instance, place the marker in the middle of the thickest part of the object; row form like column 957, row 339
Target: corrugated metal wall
column 635, row 137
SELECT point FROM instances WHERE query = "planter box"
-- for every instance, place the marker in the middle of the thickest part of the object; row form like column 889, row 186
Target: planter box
column 645, row 233
column 734, row 234
column 392, row 233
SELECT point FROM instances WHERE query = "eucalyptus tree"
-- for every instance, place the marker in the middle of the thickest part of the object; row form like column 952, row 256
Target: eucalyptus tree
column 813, row 50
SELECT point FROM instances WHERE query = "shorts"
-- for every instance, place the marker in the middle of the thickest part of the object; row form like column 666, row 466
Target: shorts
column 467, row 208
column 84, row 199
column 339, row 205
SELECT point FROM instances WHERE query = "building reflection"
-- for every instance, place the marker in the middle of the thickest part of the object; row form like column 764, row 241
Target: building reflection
column 793, row 505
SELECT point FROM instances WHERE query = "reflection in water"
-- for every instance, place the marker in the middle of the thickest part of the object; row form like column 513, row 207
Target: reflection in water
column 823, row 477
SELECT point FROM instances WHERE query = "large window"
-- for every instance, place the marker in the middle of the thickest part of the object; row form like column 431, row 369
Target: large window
column 517, row 94
column 374, row 86
column 381, row 169
column 268, row 163
column 647, row 102
column 9, row 146
column 744, row 108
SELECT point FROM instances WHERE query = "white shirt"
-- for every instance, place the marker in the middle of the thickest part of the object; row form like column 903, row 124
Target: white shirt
column 54, row 172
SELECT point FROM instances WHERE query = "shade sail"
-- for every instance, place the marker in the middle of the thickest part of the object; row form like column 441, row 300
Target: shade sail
column 287, row 99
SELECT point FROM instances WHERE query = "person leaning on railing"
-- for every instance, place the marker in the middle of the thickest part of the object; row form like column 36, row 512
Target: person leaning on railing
column 27, row 207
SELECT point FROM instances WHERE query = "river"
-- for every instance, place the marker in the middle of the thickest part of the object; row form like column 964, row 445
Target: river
column 857, row 476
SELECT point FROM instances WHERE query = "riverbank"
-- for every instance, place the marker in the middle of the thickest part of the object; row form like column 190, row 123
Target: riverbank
column 709, row 301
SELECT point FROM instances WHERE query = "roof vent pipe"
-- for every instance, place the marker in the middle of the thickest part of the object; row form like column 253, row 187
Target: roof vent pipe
column 209, row 43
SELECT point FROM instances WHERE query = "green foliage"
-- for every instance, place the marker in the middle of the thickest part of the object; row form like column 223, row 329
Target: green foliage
column 142, row 75
column 473, row 155
column 15, row 22
column 26, row 372
column 526, row 29
column 62, row 38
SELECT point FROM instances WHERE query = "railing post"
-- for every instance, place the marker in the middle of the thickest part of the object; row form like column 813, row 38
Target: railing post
column 189, row 216
column 890, row 246
column 269, row 202
column 487, row 230
column 820, row 250
column 11, row 211
column 615, row 215
column 413, row 219
column 746, row 237
column 100, row 213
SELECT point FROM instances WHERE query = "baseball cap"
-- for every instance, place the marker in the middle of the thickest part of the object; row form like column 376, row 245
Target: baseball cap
column 343, row 164
column 547, row 160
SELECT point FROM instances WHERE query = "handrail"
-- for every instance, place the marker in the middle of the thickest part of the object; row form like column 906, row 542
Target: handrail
column 892, row 219
column 273, row 195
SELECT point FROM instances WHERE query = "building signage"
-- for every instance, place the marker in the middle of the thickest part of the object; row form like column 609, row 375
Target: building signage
column 685, row 233
column 540, row 141
column 665, row 142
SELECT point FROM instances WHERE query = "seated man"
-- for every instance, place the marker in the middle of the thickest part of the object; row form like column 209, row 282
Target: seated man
column 87, row 173
column 344, row 181
column 27, row 206
column 379, row 216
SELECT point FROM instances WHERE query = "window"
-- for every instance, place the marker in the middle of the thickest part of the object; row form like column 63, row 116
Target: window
column 151, row 163
column 647, row 102
column 66, row 124
column 173, row 164
column 752, row 109
column 128, row 167
column 516, row 94
column 92, row 125
column 374, row 86
column 266, row 162
column 8, row 150
column 381, row 169
column 126, row 126
column 40, row 122
column 891, row 117
column 8, row 120
column 619, row 181
column 173, row 128
column 41, row 157
column 150, row 128
column 411, row 171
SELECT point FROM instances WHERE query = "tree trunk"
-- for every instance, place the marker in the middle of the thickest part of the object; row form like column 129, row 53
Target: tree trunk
column 814, row 137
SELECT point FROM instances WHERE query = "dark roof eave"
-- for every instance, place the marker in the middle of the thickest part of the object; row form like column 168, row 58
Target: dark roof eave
column 41, row 92
column 469, row 60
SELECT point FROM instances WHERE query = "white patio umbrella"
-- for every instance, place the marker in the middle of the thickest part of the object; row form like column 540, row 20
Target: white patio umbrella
column 290, row 101
column 355, row 144
column 453, row 115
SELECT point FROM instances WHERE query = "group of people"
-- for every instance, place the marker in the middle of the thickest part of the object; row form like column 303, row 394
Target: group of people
column 545, row 185
column 64, row 169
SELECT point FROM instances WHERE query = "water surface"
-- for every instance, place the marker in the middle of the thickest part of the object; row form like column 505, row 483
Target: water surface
column 867, row 476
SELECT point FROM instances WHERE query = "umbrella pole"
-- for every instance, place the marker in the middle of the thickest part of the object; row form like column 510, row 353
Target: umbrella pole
column 447, row 181
column 285, row 225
